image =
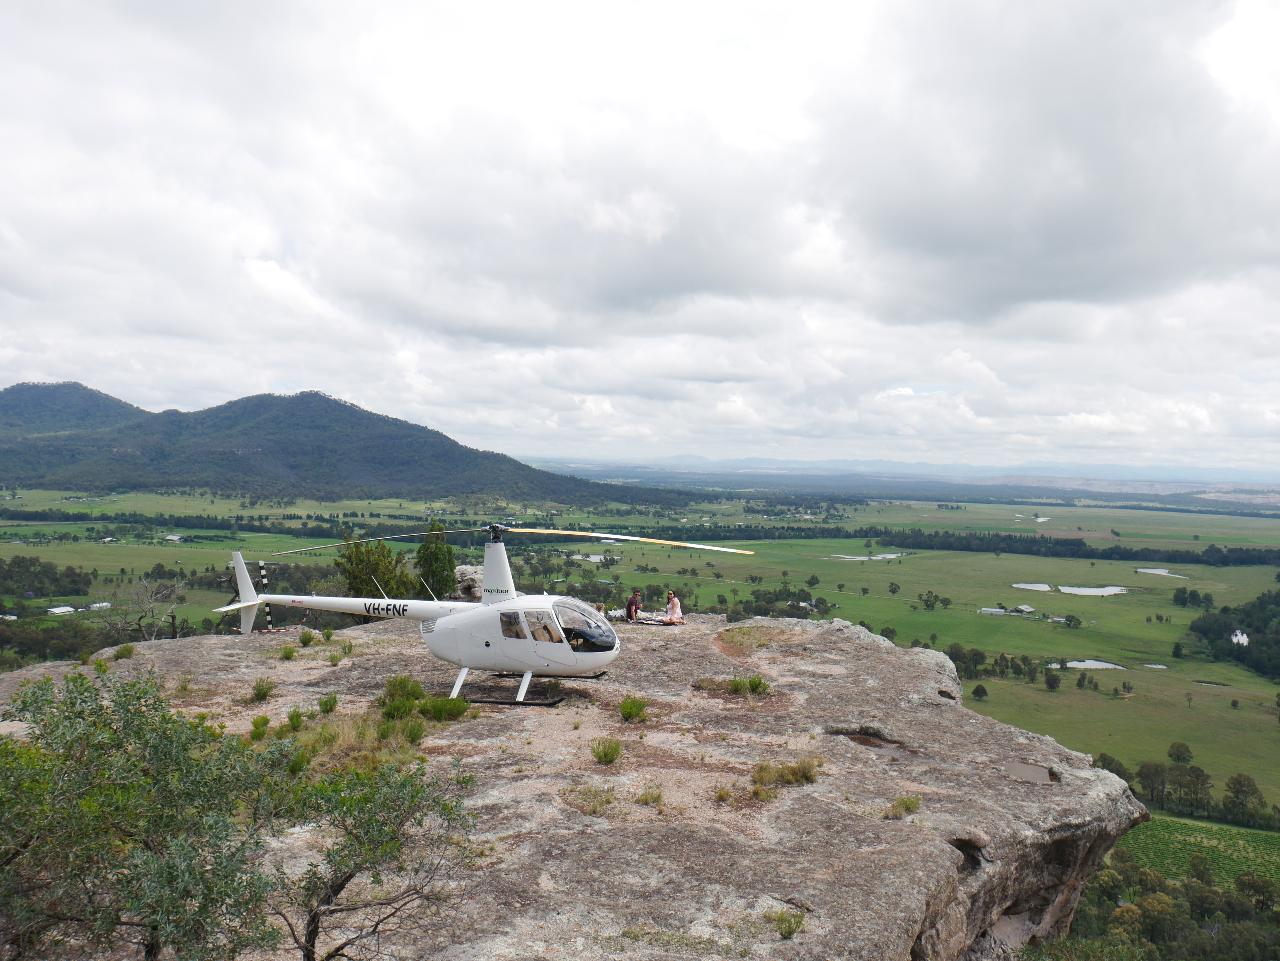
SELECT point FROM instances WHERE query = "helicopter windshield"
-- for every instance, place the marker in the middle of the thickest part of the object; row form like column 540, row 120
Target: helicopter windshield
column 585, row 629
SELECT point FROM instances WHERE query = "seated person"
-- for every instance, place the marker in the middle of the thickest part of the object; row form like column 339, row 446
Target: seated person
column 674, row 615
column 633, row 606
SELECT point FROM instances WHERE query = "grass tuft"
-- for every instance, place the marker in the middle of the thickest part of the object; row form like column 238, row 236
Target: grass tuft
column 606, row 750
column 633, row 709
column 901, row 807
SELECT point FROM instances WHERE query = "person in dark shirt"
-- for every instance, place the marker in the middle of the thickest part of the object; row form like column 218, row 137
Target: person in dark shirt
column 633, row 606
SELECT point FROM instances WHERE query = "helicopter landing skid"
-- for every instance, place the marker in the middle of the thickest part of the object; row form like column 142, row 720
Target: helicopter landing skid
column 512, row 702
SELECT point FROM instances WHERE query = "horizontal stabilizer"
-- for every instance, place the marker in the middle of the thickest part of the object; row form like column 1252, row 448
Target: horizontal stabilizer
column 235, row 607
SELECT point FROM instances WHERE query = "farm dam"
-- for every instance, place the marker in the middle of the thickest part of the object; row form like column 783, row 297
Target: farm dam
column 1004, row 829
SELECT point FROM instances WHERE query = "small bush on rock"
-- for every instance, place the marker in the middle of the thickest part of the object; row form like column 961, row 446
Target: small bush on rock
column 606, row 750
column 443, row 708
column 633, row 709
column 903, row 806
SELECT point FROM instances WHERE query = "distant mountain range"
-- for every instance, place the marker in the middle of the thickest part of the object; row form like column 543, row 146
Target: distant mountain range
column 71, row 437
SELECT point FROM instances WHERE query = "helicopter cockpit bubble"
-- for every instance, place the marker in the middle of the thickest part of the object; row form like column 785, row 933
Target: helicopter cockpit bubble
column 585, row 628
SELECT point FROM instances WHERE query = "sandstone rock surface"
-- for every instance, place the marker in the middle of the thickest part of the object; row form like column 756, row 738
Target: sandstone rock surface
column 1009, row 827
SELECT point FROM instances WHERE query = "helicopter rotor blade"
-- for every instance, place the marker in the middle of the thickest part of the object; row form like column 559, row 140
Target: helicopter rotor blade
column 386, row 537
column 625, row 537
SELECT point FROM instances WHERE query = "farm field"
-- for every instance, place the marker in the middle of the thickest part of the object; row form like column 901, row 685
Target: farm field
column 1167, row 844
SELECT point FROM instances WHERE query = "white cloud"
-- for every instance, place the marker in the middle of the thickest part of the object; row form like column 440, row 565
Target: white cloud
column 958, row 232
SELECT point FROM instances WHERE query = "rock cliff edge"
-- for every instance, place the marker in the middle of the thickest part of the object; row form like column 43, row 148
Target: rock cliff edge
column 1009, row 825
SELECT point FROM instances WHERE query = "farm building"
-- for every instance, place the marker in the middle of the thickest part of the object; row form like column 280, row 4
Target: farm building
column 992, row 610
column 173, row 538
column 1025, row 609
column 62, row 609
column 1240, row 637
column 100, row 606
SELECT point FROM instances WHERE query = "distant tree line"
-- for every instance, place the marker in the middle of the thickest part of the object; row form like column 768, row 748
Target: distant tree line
column 1041, row 545
column 1181, row 787
column 20, row 576
column 1259, row 619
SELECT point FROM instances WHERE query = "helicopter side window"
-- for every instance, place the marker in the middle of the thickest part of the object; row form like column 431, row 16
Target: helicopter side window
column 543, row 627
column 511, row 625
column 586, row 630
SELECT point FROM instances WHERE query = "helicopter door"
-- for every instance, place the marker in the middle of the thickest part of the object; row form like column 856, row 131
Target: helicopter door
column 548, row 640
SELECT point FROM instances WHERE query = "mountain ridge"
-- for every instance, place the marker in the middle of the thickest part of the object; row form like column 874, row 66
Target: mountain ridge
column 70, row 436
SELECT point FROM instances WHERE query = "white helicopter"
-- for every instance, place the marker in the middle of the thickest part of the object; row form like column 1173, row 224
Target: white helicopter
column 540, row 635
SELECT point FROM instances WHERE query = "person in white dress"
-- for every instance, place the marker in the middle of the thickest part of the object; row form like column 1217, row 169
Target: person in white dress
column 674, row 614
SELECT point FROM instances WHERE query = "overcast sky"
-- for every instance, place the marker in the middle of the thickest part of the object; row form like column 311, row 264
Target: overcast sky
column 952, row 232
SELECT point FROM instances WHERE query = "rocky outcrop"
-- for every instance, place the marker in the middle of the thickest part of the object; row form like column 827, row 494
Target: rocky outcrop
column 1009, row 824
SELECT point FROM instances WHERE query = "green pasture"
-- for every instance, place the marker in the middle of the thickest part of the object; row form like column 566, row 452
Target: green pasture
column 1133, row 528
column 1167, row 844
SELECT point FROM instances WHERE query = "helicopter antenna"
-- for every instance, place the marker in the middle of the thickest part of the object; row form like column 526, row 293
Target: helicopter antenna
column 379, row 587
column 429, row 590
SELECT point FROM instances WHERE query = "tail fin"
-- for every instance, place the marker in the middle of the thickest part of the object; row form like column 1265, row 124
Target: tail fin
column 248, row 603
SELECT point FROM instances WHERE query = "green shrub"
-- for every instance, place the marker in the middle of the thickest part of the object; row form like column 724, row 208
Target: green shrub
column 295, row 720
column 123, row 652
column 262, row 689
column 803, row 771
column 386, row 730
column 100, row 666
column 335, row 659
column 306, row 638
column 288, row 652
column 901, row 807
column 413, row 730
column 606, row 750
column 738, row 685
column 347, row 647
column 402, row 687
column 443, row 708
column 723, row 795
column 328, row 703
column 259, row 729
column 650, row 796
column 633, row 709
column 399, row 708
column 298, row 763
column 327, row 634
column 787, row 923
column 757, row 685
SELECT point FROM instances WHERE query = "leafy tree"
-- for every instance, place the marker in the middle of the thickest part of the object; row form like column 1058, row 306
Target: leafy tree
column 128, row 824
column 1200, row 868
column 1242, row 798
column 1177, row 649
column 980, row 692
column 1052, row 680
column 1072, row 622
column 812, row 580
column 1179, row 753
column 894, row 588
column 435, row 565
column 392, row 858
column 363, row 564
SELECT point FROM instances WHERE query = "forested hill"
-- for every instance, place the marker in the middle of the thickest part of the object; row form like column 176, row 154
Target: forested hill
column 66, row 436
column 58, row 408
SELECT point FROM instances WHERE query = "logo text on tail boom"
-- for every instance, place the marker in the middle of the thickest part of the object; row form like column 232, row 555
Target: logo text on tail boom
column 385, row 609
